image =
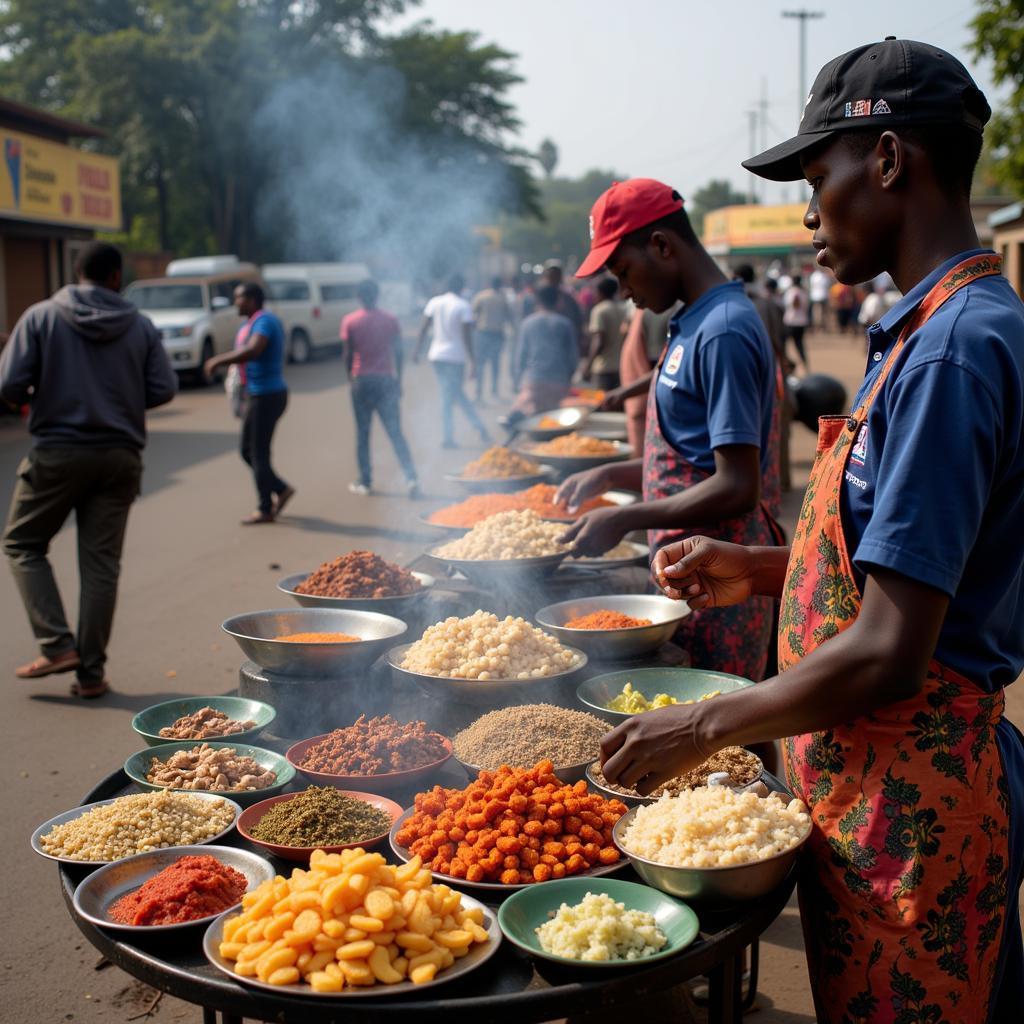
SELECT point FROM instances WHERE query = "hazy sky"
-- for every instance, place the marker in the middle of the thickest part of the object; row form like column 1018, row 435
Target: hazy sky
column 662, row 88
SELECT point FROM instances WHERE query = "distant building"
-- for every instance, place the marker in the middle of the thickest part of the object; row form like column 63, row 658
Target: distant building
column 756, row 234
column 53, row 199
column 1007, row 230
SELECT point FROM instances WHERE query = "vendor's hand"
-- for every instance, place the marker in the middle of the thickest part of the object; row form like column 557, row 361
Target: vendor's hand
column 577, row 488
column 647, row 750
column 705, row 573
column 612, row 401
column 595, row 532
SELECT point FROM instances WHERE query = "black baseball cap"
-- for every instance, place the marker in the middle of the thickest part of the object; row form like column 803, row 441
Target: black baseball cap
column 897, row 82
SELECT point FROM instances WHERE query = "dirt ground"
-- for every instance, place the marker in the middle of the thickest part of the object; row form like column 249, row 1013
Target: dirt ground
column 187, row 566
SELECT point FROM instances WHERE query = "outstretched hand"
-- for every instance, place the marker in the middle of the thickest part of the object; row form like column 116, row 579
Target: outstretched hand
column 705, row 573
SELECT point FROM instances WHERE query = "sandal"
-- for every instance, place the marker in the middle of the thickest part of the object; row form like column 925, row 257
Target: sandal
column 89, row 692
column 257, row 518
column 44, row 666
column 282, row 499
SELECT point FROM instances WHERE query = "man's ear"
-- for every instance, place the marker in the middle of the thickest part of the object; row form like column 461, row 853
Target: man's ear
column 661, row 244
column 890, row 160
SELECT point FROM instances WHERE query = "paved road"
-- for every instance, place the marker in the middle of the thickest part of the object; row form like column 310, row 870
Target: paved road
column 187, row 566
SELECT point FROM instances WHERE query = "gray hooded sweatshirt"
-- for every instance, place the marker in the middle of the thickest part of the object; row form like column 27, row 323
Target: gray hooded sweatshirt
column 90, row 364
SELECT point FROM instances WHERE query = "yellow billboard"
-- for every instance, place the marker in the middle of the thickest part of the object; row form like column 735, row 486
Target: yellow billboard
column 756, row 227
column 47, row 181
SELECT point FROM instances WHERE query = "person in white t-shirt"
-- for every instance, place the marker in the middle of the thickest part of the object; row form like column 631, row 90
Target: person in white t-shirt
column 796, row 315
column 450, row 318
column 818, row 285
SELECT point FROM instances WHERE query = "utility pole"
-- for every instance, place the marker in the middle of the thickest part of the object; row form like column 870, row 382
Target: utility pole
column 803, row 16
column 752, row 148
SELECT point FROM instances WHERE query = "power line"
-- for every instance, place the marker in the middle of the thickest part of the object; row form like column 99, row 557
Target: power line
column 803, row 16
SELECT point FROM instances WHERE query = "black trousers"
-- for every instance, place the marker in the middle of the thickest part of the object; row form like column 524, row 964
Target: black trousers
column 261, row 415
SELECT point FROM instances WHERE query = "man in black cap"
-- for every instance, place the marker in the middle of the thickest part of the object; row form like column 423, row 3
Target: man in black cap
column 902, row 616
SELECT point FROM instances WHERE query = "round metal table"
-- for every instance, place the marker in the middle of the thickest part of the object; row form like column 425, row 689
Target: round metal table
column 510, row 987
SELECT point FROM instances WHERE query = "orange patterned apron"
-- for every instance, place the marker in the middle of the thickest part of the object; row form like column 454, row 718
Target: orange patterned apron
column 906, row 890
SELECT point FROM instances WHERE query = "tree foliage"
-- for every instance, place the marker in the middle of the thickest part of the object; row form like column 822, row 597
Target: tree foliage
column 999, row 35
column 184, row 88
column 713, row 196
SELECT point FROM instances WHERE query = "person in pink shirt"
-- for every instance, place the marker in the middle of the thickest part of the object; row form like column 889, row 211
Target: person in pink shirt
column 373, row 354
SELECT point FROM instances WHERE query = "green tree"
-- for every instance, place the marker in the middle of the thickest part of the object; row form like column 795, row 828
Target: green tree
column 547, row 157
column 713, row 196
column 999, row 35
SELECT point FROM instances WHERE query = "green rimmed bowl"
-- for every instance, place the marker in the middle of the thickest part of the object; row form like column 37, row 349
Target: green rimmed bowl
column 136, row 765
column 685, row 684
column 525, row 911
column 149, row 722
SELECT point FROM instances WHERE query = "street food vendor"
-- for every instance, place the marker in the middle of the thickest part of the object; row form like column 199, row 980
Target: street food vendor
column 903, row 593
column 710, row 462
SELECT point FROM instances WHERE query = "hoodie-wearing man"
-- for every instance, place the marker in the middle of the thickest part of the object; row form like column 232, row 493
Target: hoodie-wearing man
column 90, row 365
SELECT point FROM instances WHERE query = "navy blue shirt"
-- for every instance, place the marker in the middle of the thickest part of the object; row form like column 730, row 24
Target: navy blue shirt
column 934, row 485
column 547, row 349
column 264, row 375
column 717, row 383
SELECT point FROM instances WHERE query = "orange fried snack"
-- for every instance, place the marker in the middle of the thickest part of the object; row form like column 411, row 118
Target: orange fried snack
column 540, row 498
column 513, row 826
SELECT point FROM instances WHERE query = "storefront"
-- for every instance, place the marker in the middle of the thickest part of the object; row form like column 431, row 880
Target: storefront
column 1007, row 227
column 53, row 198
column 758, row 235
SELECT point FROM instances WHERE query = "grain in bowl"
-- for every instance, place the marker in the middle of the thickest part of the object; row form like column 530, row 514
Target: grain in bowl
column 507, row 535
column 715, row 827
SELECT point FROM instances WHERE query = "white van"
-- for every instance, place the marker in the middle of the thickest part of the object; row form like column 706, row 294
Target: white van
column 311, row 299
column 193, row 307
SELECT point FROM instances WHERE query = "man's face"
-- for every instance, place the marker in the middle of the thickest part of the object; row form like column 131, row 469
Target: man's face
column 242, row 302
column 645, row 273
column 850, row 213
column 553, row 277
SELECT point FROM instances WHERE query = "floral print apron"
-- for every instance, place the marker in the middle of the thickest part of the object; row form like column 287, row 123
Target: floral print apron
column 732, row 639
column 905, row 894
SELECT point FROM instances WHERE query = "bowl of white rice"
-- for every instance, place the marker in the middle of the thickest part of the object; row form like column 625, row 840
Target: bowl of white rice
column 712, row 845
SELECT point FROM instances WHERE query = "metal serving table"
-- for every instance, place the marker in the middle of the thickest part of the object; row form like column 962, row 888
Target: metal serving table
column 511, row 987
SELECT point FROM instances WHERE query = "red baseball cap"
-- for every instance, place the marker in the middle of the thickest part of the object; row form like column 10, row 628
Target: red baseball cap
column 626, row 207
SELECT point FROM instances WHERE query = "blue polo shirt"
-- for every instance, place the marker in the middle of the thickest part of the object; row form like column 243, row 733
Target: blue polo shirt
column 264, row 375
column 934, row 485
column 717, row 383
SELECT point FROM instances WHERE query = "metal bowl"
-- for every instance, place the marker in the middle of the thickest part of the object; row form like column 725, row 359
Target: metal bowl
column 454, row 531
column 256, row 633
column 716, row 887
column 616, row 644
column 76, row 812
column 137, row 765
column 384, row 782
column 641, row 556
column 609, row 426
column 149, row 722
column 682, row 683
column 568, row 774
column 566, row 465
column 502, row 484
column 397, row 605
column 103, row 888
column 569, row 418
column 498, row 572
column 486, row 692
column 249, row 818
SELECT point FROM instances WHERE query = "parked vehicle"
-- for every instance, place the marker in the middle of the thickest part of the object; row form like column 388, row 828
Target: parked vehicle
column 193, row 308
column 311, row 299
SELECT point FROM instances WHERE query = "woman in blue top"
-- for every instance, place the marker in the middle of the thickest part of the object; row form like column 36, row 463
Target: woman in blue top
column 260, row 346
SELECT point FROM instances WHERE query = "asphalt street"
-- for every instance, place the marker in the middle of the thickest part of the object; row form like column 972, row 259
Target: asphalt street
column 187, row 566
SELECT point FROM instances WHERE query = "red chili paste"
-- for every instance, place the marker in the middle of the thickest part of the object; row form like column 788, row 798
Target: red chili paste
column 190, row 888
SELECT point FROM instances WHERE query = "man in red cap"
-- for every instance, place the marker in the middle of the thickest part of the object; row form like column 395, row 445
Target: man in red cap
column 710, row 448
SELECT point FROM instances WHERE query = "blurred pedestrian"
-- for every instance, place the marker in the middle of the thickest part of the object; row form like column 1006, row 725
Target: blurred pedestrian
column 607, row 320
column 565, row 304
column 546, row 358
column 491, row 317
column 373, row 355
column 796, row 316
column 259, row 345
column 449, row 318
column 89, row 365
column 817, row 290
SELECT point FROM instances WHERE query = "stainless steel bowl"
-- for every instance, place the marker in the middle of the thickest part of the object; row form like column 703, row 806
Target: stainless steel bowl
column 616, row 644
column 502, row 484
column 609, row 426
column 485, row 692
column 640, row 555
column 712, row 887
column 256, row 633
column 569, row 418
column 566, row 465
column 384, row 605
column 103, row 888
column 500, row 572
column 454, row 531
column 568, row 774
